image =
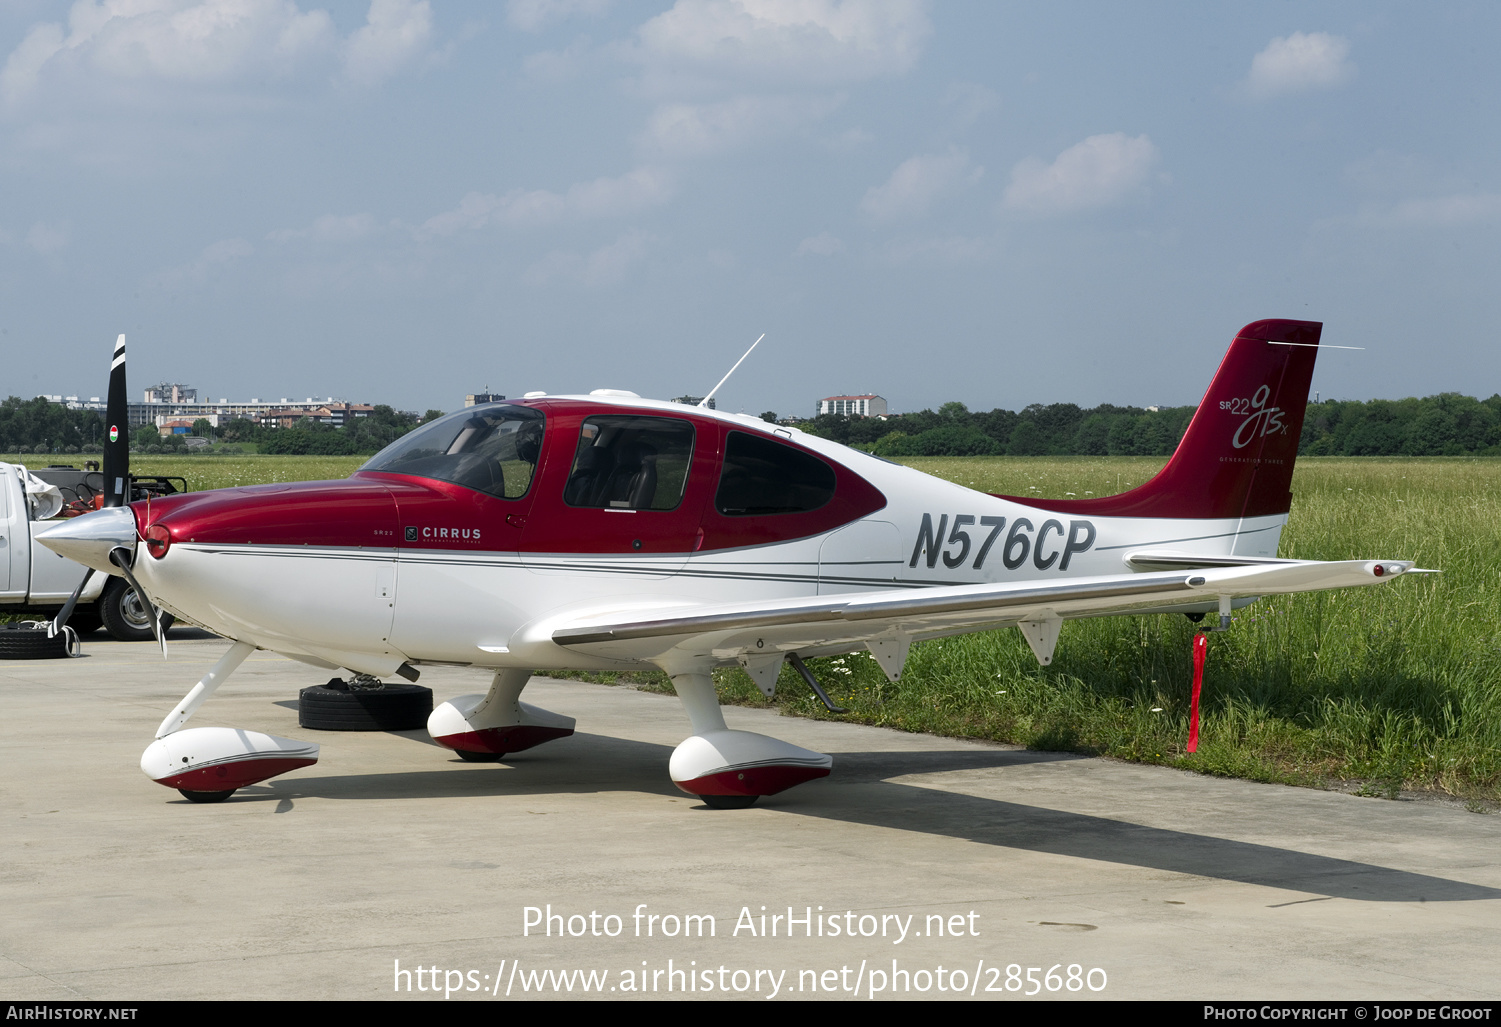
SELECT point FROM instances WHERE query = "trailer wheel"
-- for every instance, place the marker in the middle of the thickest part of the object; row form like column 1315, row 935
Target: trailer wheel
column 24, row 642
column 336, row 707
column 127, row 618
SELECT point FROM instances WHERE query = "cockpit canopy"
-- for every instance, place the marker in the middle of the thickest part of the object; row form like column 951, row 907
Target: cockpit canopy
column 492, row 449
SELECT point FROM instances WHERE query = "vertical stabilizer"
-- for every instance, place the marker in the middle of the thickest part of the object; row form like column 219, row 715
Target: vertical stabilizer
column 1236, row 459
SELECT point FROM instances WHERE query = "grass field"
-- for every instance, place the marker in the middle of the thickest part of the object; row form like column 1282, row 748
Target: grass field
column 1380, row 689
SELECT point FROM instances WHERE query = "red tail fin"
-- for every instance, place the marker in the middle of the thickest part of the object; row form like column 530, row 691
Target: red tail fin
column 1236, row 459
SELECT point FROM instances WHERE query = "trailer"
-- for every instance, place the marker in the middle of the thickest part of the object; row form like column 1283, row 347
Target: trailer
column 35, row 580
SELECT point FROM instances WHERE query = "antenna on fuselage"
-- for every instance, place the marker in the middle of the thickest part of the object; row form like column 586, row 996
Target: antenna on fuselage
column 705, row 401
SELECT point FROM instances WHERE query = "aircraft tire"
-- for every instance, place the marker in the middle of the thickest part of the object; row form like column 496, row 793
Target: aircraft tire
column 480, row 757
column 729, row 801
column 205, row 796
column 392, row 708
column 125, row 617
column 25, row 643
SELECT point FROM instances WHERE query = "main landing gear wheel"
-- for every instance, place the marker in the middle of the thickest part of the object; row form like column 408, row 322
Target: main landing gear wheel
column 729, row 801
column 479, row 757
column 205, row 796
column 337, row 707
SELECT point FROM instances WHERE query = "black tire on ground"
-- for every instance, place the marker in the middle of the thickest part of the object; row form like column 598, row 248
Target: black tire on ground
column 729, row 801
column 392, row 708
column 124, row 615
column 205, row 796
column 480, row 757
column 22, row 643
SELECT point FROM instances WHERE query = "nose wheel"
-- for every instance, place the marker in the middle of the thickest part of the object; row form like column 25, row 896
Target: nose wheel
column 479, row 757
column 205, row 796
column 729, row 801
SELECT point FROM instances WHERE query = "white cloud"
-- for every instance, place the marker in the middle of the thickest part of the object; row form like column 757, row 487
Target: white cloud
column 1101, row 170
column 604, row 266
column 917, row 182
column 822, row 245
column 553, row 66
column 213, row 258
column 330, row 228
column 697, row 130
column 968, row 101
column 211, row 42
column 47, row 239
column 214, row 43
column 1301, row 61
column 1459, row 210
column 786, row 40
column 601, row 198
column 535, row 15
column 396, row 32
column 955, row 249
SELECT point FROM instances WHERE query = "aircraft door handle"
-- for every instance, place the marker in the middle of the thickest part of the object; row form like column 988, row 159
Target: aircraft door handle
column 517, row 521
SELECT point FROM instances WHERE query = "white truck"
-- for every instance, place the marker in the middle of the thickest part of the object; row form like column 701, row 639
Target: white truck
column 35, row 580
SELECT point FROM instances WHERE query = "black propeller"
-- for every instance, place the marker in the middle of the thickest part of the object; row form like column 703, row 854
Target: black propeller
column 117, row 437
column 116, row 491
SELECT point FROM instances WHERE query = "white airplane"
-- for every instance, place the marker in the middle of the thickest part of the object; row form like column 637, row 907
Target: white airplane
column 609, row 532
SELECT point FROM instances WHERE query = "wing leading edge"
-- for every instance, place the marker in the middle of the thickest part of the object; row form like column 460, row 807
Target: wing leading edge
column 887, row 622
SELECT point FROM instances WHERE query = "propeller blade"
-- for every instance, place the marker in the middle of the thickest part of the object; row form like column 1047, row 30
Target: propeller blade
column 119, row 557
column 117, row 433
column 61, row 620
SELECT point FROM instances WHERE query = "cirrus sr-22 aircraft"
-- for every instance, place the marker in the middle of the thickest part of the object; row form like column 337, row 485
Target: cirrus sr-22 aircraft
column 608, row 532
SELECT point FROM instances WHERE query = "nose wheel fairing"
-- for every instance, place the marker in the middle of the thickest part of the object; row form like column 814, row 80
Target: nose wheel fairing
column 221, row 759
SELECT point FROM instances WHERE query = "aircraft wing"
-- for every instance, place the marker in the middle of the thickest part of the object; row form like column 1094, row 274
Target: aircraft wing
column 887, row 621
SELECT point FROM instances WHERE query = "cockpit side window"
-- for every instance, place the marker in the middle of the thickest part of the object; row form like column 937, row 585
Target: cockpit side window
column 629, row 462
column 492, row 449
column 763, row 476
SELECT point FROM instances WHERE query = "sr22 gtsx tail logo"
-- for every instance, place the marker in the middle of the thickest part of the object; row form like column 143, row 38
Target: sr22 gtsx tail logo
column 1262, row 420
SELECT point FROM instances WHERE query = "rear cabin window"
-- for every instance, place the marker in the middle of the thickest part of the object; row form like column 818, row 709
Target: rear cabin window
column 762, row 476
column 627, row 462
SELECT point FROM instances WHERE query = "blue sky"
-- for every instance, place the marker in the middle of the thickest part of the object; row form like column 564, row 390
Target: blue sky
column 1002, row 204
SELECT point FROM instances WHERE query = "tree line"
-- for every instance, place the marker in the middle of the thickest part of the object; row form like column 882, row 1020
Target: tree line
column 41, row 426
column 1444, row 425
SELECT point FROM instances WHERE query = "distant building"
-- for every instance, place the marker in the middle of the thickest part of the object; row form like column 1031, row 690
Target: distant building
column 853, row 406
column 160, row 405
column 171, row 392
column 693, row 401
column 182, row 425
column 336, row 414
column 474, row 399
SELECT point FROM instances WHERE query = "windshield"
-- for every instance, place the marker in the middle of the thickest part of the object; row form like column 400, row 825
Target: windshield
column 492, row 449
